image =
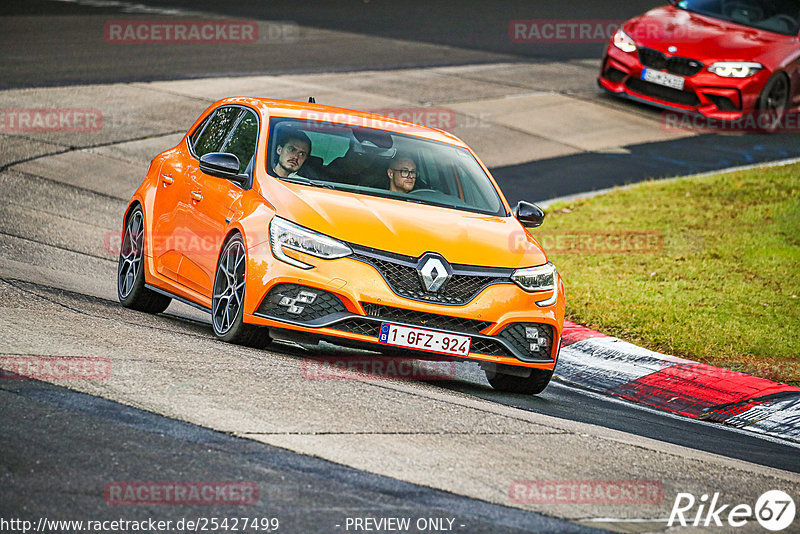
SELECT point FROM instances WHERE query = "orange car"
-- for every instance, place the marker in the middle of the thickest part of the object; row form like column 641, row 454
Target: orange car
column 288, row 220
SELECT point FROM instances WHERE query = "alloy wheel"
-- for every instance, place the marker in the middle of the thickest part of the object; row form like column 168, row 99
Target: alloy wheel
column 131, row 253
column 777, row 96
column 774, row 101
column 228, row 296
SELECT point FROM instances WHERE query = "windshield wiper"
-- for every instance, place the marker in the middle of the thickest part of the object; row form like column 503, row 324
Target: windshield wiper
column 320, row 183
column 307, row 181
column 296, row 179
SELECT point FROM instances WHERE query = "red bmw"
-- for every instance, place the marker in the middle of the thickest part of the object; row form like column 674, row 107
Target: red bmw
column 724, row 59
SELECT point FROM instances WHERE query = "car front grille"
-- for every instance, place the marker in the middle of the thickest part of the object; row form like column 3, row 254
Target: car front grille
column 682, row 66
column 428, row 320
column 668, row 94
column 356, row 325
column 400, row 273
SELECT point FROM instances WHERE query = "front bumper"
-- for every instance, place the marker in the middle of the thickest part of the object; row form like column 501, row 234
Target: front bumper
column 351, row 299
column 712, row 96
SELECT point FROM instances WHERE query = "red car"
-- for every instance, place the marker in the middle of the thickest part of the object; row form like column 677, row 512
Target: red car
column 723, row 59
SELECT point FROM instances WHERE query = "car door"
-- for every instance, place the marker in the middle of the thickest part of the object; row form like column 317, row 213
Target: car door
column 215, row 202
column 169, row 208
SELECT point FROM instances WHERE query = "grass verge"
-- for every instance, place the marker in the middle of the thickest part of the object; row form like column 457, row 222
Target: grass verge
column 706, row 268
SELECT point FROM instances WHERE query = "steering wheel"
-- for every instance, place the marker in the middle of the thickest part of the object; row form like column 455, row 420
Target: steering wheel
column 422, row 191
column 738, row 10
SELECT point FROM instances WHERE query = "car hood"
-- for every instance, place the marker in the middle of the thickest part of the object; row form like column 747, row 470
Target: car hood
column 409, row 228
column 704, row 38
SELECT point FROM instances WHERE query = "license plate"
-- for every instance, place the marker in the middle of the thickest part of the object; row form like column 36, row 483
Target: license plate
column 423, row 339
column 663, row 78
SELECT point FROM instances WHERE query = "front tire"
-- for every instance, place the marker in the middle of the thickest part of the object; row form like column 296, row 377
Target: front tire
column 227, row 300
column 531, row 385
column 130, row 269
column 774, row 101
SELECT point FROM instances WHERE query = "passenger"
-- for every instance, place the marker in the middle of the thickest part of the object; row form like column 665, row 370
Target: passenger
column 402, row 173
column 292, row 153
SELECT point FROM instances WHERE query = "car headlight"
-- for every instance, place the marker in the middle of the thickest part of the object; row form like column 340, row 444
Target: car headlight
column 624, row 42
column 541, row 278
column 285, row 234
column 735, row 69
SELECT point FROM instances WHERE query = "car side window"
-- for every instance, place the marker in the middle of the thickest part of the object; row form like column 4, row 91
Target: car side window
column 197, row 131
column 241, row 142
column 216, row 131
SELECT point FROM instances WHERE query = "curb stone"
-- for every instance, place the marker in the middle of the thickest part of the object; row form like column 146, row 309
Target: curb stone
column 611, row 366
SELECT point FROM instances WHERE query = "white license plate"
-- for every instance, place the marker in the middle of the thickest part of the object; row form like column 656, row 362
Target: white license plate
column 421, row 338
column 663, row 78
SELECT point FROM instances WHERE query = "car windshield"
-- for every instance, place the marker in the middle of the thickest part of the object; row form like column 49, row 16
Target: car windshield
column 376, row 162
column 779, row 16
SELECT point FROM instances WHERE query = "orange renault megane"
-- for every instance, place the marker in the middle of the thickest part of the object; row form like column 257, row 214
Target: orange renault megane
column 287, row 220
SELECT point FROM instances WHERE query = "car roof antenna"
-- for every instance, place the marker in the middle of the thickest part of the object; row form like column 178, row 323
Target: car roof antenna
column 311, row 100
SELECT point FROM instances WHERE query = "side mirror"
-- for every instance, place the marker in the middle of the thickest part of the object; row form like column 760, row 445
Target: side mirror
column 222, row 165
column 530, row 215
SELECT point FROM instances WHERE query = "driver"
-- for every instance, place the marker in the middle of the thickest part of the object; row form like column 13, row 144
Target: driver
column 402, row 173
column 292, row 153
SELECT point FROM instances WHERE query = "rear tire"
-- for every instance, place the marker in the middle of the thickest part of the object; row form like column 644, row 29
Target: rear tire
column 130, row 269
column 531, row 385
column 227, row 300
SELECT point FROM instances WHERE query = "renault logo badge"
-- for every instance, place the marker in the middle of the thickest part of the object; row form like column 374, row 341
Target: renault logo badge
column 433, row 271
column 672, row 49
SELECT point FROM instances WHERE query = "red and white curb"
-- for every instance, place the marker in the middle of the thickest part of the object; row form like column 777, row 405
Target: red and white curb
column 608, row 365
